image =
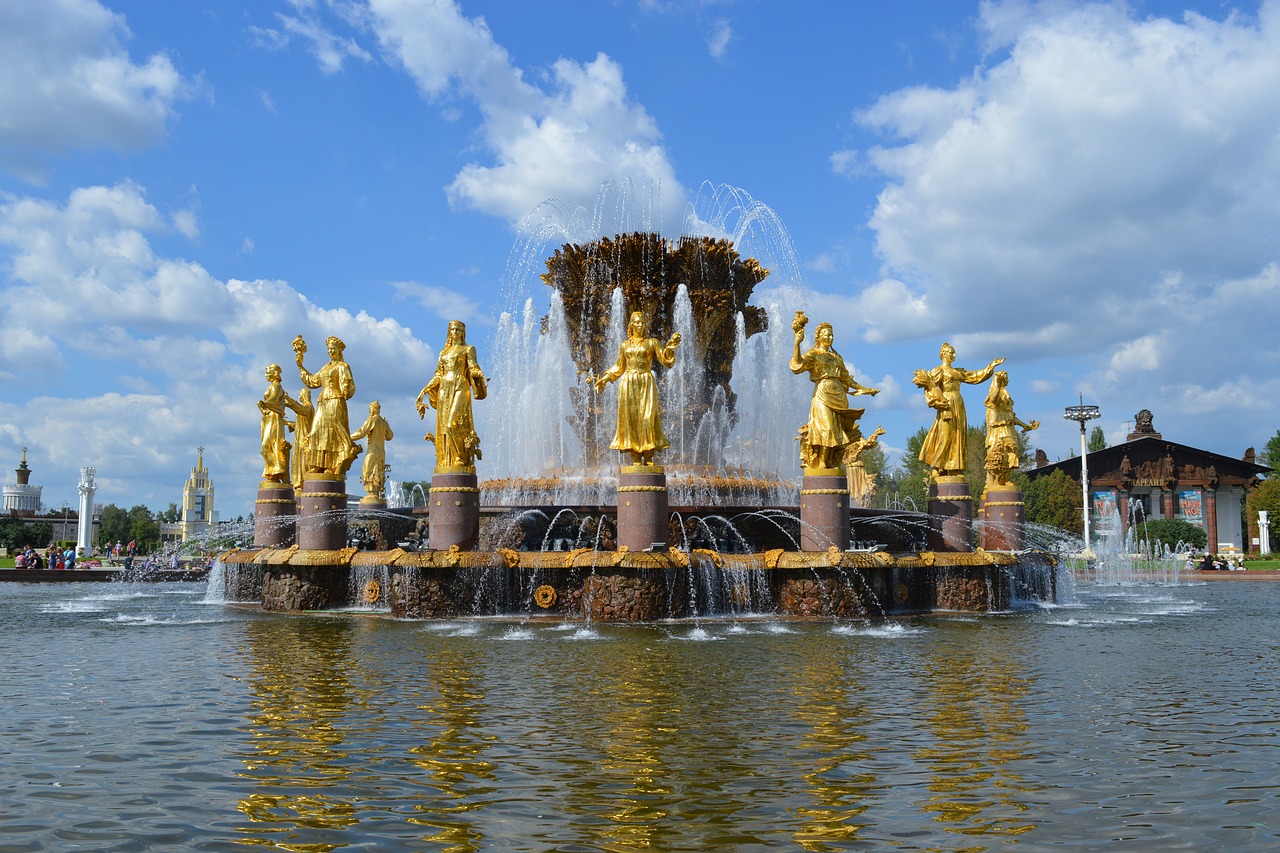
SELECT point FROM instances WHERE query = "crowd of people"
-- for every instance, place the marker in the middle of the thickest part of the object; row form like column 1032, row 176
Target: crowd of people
column 64, row 559
column 1211, row 563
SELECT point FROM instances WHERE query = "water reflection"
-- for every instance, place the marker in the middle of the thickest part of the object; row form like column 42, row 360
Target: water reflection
column 297, row 755
column 979, row 732
column 829, row 698
column 459, row 780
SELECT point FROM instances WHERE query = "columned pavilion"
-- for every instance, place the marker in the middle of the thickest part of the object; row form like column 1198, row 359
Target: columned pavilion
column 1150, row 477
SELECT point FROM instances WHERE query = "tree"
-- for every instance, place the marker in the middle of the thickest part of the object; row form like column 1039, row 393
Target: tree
column 171, row 515
column 114, row 525
column 1055, row 500
column 1266, row 497
column 908, row 482
column 143, row 529
column 12, row 533
column 1271, row 452
column 1097, row 441
column 1171, row 533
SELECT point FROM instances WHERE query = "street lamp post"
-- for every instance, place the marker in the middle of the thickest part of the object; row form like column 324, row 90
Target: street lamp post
column 1083, row 413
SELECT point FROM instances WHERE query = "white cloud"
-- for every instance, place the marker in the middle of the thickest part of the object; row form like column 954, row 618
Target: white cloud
column 562, row 141
column 67, row 84
column 1134, row 356
column 443, row 303
column 1104, row 188
column 718, row 41
column 329, row 49
column 84, row 290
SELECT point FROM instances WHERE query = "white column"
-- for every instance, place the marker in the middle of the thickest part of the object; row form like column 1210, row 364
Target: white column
column 84, row 535
column 1264, row 532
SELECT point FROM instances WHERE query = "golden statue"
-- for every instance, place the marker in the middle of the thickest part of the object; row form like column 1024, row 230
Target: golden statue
column 943, row 449
column 275, row 450
column 378, row 431
column 329, row 449
column 639, row 430
column 1002, row 434
column 832, row 425
column 301, row 426
column 862, row 484
column 458, row 378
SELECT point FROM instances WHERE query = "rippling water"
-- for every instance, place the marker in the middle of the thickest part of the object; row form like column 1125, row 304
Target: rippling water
column 139, row 717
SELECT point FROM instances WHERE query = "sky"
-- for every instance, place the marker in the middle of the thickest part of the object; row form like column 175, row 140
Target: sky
column 1091, row 191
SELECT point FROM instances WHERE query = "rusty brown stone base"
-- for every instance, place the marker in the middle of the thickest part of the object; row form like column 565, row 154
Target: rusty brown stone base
column 629, row 587
column 304, row 587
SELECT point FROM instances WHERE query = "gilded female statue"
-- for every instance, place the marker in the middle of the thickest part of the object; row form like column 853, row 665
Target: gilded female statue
column 458, row 378
column 329, row 449
column 832, row 425
column 639, row 430
column 303, row 412
column 862, row 484
column 943, row 449
column 1002, row 433
column 378, row 432
column 275, row 450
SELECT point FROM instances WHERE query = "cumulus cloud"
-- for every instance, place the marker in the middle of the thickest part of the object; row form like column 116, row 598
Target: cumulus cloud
column 1104, row 187
column 557, row 140
column 64, row 70
column 85, row 291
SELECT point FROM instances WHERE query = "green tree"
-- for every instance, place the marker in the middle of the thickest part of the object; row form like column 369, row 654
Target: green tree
column 908, row 482
column 171, row 515
column 1170, row 533
column 1055, row 500
column 415, row 497
column 12, row 533
column 1097, row 441
column 1271, row 452
column 143, row 529
column 1266, row 497
column 114, row 525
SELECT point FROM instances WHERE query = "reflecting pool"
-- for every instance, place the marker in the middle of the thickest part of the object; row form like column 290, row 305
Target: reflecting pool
column 140, row 717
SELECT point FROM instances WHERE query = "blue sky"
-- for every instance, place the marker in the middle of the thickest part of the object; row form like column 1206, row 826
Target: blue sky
column 1091, row 191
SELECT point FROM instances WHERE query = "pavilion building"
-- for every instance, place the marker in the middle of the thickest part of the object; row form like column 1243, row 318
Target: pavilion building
column 1149, row 477
column 22, row 498
column 197, row 517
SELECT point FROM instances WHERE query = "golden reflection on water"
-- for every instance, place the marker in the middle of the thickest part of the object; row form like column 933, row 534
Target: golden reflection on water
column 458, row 777
column 301, row 695
column 841, row 782
column 978, row 729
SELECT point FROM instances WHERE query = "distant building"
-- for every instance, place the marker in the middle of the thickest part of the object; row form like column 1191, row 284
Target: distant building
column 197, row 518
column 1148, row 477
column 22, row 498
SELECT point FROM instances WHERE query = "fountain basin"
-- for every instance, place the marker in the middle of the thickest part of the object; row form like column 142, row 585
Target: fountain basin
column 626, row 586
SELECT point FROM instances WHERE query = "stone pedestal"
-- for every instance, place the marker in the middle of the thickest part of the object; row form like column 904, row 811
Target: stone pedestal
column 1004, row 515
column 273, row 512
column 824, row 510
column 454, row 507
column 951, row 515
column 642, row 507
column 322, row 514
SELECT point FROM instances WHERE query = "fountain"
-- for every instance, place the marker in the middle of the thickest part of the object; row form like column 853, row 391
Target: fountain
column 705, row 518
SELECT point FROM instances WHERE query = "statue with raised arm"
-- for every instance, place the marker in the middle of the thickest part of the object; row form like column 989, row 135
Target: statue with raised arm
column 943, row 449
column 378, row 432
column 862, row 484
column 639, row 431
column 832, row 425
column 329, row 449
column 1002, row 432
column 303, row 412
column 457, row 380
column 275, row 450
